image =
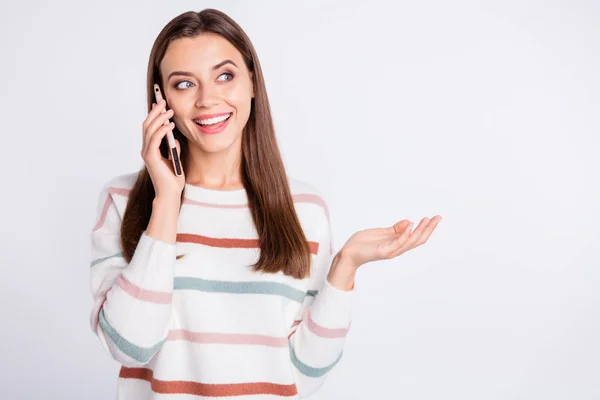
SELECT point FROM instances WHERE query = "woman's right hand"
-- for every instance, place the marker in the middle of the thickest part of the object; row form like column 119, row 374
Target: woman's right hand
column 166, row 183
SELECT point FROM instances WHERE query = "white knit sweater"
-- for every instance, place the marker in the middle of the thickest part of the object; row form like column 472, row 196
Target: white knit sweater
column 206, row 325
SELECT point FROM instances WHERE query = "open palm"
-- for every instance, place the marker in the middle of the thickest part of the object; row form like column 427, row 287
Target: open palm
column 386, row 243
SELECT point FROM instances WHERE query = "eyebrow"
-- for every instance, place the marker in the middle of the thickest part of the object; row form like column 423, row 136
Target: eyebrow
column 185, row 73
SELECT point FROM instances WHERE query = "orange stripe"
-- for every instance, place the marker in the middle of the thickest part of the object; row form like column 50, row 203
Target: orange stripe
column 206, row 389
column 314, row 247
column 229, row 243
column 295, row 324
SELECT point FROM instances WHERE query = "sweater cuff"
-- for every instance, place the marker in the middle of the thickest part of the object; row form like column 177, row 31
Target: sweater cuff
column 152, row 265
column 332, row 307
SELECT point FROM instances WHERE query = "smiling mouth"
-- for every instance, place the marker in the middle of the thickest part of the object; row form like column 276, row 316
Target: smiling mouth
column 213, row 122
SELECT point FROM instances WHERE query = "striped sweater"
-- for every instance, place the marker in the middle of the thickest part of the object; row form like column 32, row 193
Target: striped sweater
column 205, row 325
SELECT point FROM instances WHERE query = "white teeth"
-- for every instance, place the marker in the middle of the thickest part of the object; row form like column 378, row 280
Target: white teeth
column 212, row 121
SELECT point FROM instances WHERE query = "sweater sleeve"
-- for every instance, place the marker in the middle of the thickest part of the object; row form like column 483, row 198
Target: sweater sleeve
column 317, row 338
column 131, row 313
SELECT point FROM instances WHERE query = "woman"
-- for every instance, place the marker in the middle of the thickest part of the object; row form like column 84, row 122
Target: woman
column 221, row 282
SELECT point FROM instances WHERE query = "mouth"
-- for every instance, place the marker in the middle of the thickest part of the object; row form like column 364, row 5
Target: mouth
column 213, row 125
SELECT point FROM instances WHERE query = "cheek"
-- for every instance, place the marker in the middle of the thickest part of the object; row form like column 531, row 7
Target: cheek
column 177, row 120
column 181, row 102
column 240, row 95
column 179, row 110
column 241, row 100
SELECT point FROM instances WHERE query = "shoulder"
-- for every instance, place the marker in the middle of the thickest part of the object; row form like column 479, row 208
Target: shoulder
column 311, row 204
column 306, row 193
column 123, row 182
column 115, row 191
column 300, row 188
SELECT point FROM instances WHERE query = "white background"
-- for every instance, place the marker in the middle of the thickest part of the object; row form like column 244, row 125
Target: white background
column 484, row 112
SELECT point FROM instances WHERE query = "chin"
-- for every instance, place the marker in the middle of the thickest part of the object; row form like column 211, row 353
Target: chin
column 214, row 145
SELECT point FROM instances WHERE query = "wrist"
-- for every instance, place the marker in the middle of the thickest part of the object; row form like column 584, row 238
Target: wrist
column 345, row 260
column 342, row 272
column 166, row 201
column 164, row 219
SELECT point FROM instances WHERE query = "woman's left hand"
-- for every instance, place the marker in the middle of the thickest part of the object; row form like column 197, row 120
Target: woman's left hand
column 386, row 243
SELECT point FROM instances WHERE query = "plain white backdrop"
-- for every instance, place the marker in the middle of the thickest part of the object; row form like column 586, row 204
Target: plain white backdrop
column 486, row 113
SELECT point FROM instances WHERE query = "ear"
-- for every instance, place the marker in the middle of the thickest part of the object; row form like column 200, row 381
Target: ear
column 252, row 84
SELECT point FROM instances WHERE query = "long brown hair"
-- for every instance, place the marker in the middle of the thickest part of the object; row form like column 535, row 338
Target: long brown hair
column 283, row 245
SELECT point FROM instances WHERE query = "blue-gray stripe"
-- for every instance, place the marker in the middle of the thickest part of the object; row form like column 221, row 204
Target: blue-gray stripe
column 273, row 288
column 312, row 293
column 308, row 370
column 141, row 354
column 99, row 260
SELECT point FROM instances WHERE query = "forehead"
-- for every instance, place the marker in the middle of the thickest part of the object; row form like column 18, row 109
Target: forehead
column 199, row 53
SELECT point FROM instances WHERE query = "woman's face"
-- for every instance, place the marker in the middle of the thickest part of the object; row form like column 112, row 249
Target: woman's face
column 202, row 76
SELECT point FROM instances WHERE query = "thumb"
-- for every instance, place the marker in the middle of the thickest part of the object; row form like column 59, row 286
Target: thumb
column 399, row 226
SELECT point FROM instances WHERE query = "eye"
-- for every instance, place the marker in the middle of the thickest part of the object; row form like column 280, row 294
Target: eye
column 227, row 73
column 180, row 82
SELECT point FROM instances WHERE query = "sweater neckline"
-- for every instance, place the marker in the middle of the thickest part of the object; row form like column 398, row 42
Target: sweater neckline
column 215, row 196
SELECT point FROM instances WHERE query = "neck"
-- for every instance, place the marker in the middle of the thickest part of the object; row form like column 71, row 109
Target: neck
column 220, row 170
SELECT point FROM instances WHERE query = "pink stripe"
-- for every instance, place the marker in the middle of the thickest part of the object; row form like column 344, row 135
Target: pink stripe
column 143, row 294
column 313, row 198
column 300, row 198
column 102, row 218
column 100, row 299
column 107, row 203
column 227, row 338
column 121, row 191
column 325, row 332
column 214, row 205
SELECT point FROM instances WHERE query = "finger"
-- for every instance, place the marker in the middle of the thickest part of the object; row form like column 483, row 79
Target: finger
column 144, row 126
column 401, row 246
column 417, row 233
column 422, row 237
column 157, row 109
column 428, row 230
column 157, row 137
column 398, row 227
column 159, row 121
column 403, row 237
column 149, row 118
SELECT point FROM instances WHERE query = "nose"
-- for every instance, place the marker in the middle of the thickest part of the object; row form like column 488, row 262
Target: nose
column 207, row 97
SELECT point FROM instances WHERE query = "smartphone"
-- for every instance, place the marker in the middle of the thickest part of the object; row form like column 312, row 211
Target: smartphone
column 172, row 148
